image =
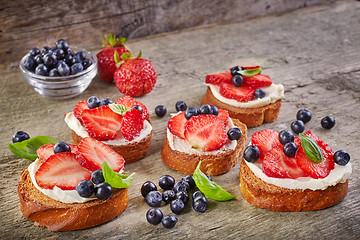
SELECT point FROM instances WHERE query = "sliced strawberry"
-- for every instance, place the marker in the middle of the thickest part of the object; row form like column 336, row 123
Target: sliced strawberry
column 129, row 102
column 92, row 153
column 218, row 78
column 246, row 68
column 132, row 124
column 45, row 151
column 101, row 123
column 258, row 81
column 79, row 108
column 277, row 164
column 312, row 135
column 265, row 140
column 62, row 170
column 205, row 132
column 244, row 93
column 224, row 115
column 177, row 124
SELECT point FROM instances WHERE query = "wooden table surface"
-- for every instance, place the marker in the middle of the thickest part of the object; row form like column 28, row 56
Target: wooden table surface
column 314, row 52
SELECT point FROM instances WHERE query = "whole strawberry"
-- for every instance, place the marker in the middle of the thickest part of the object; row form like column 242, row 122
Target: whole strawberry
column 106, row 63
column 135, row 76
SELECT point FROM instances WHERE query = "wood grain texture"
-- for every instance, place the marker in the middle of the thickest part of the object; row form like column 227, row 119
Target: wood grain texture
column 314, row 52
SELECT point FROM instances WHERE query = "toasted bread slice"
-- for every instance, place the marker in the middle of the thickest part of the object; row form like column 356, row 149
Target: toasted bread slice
column 252, row 117
column 211, row 164
column 58, row 216
column 265, row 195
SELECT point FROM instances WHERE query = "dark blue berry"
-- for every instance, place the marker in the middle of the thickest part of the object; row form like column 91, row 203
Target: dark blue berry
column 259, row 93
column 290, row 149
column 38, row 59
column 154, row 216
column 34, row 51
column 147, row 187
column 103, row 191
column 41, row 70
column 69, row 59
column 190, row 180
column 59, row 54
column 168, row 196
column 62, row 44
column 50, row 60
column 52, row 50
column 215, row 110
column 234, row 70
column 181, row 186
column 303, row 115
column 298, row 126
column 61, row 147
column 63, row 68
column 286, row 136
column 169, row 221
column 251, row 153
column 20, row 136
column 191, row 112
column 138, row 108
column 180, row 106
column 166, row 182
column 205, row 109
column 183, row 196
column 328, row 122
column 87, row 63
column 106, row 101
column 237, row 80
column 85, row 188
column 200, row 204
column 234, row 134
column 197, row 194
column 160, row 110
column 45, row 50
column 75, row 59
column 210, row 178
column 54, row 73
column 81, row 55
column 76, row 68
column 177, row 206
column 69, row 51
column 93, row 102
column 341, row 157
column 154, row 199
column 30, row 63
column 97, row 177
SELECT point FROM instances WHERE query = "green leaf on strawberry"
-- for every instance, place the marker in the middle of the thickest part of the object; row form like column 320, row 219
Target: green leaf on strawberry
column 118, row 108
column 311, row 148
column 27, row 148
column 250, row 72
column 116, row 180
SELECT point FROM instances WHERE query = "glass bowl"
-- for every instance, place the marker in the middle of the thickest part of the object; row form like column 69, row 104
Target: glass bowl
column 62, row 87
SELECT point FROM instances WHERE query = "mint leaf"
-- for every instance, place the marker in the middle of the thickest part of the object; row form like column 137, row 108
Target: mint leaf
column 118, row 108
column 115, row 180
column 210, row 188
column 250, row 72
column 27, row 148
column 311, row 148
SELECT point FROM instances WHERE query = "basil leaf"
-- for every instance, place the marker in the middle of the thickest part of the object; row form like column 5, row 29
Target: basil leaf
column 250, row 72
column 115, row 180
column 27, row 148
column 210, row 188
column 311, row 148
column 118, row 108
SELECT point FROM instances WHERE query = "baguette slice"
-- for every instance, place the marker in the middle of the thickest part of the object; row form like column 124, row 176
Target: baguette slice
column 265, row 195
column 58, row 216
column 252, row 117
column 211, row 164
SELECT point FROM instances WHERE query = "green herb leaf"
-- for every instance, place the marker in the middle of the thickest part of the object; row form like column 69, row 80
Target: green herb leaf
column 116, row 57
column 118, row 108
column 115, row 180
column 210, row 188
column 250, row 72
column 311, row 148
column 27, row 148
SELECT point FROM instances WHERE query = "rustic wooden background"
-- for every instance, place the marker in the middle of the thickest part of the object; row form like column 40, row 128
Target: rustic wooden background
column 313, row 51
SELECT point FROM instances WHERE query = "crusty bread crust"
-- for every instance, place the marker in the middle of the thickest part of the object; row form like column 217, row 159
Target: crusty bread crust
column 211, row 164
column 58, row 216
column 252, row 117
column 265, row 195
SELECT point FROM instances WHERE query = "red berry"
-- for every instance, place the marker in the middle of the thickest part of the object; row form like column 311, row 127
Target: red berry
column 218, row 78
column 45, row 151
column 244, row 93
column 128, row 102
column 177, row 124
column 224, row 115
column 265, row 140
column 79, row 108
column 132, row 124
column 258, row 81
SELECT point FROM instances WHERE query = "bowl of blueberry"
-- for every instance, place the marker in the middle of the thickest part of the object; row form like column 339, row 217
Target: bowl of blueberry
column 60, row 72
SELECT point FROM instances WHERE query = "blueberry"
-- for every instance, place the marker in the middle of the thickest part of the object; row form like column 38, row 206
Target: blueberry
column 20, row 136
column 298, row 126
column 38, row 59
column 154, row 216
column 62, row 44
column 191, row 112
column 34, row 51
column 52, row 50
column 190, row 180
column 154, row 199
column 97, row 177
column 251, row 153
column 85, row 188
column 50, row 60
column 259, row 93
column 180, row 106
column 215, row 110
column 181, row 186
column 69, row 59
column 59, row 54
column 237, row 80
column 45, row 50
column 75, row 59
column 138, row 108
column 81, row 55
column 76, row 68
column 341, row 157
column 54, row 73
column 41, row 70
column 169, row 221
column 63, row 68
column 286, row 136
column 328, row 122
column 147, row 187
column 166, row 182
column 303, row 115
column 183, row 196
column 160, row 110
column 210, row 178
column 200, row 204
column 168, row 196
column 197, row 194
column 177, row 206
column 93, row 102
column 103, row 191
column 106, row 101
column 205, row 109
column 61, row 147
column 30, row 63
column 290, row 149
column 234, row 70
column 87, row 63
column 234, row 134
column 69, row 51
